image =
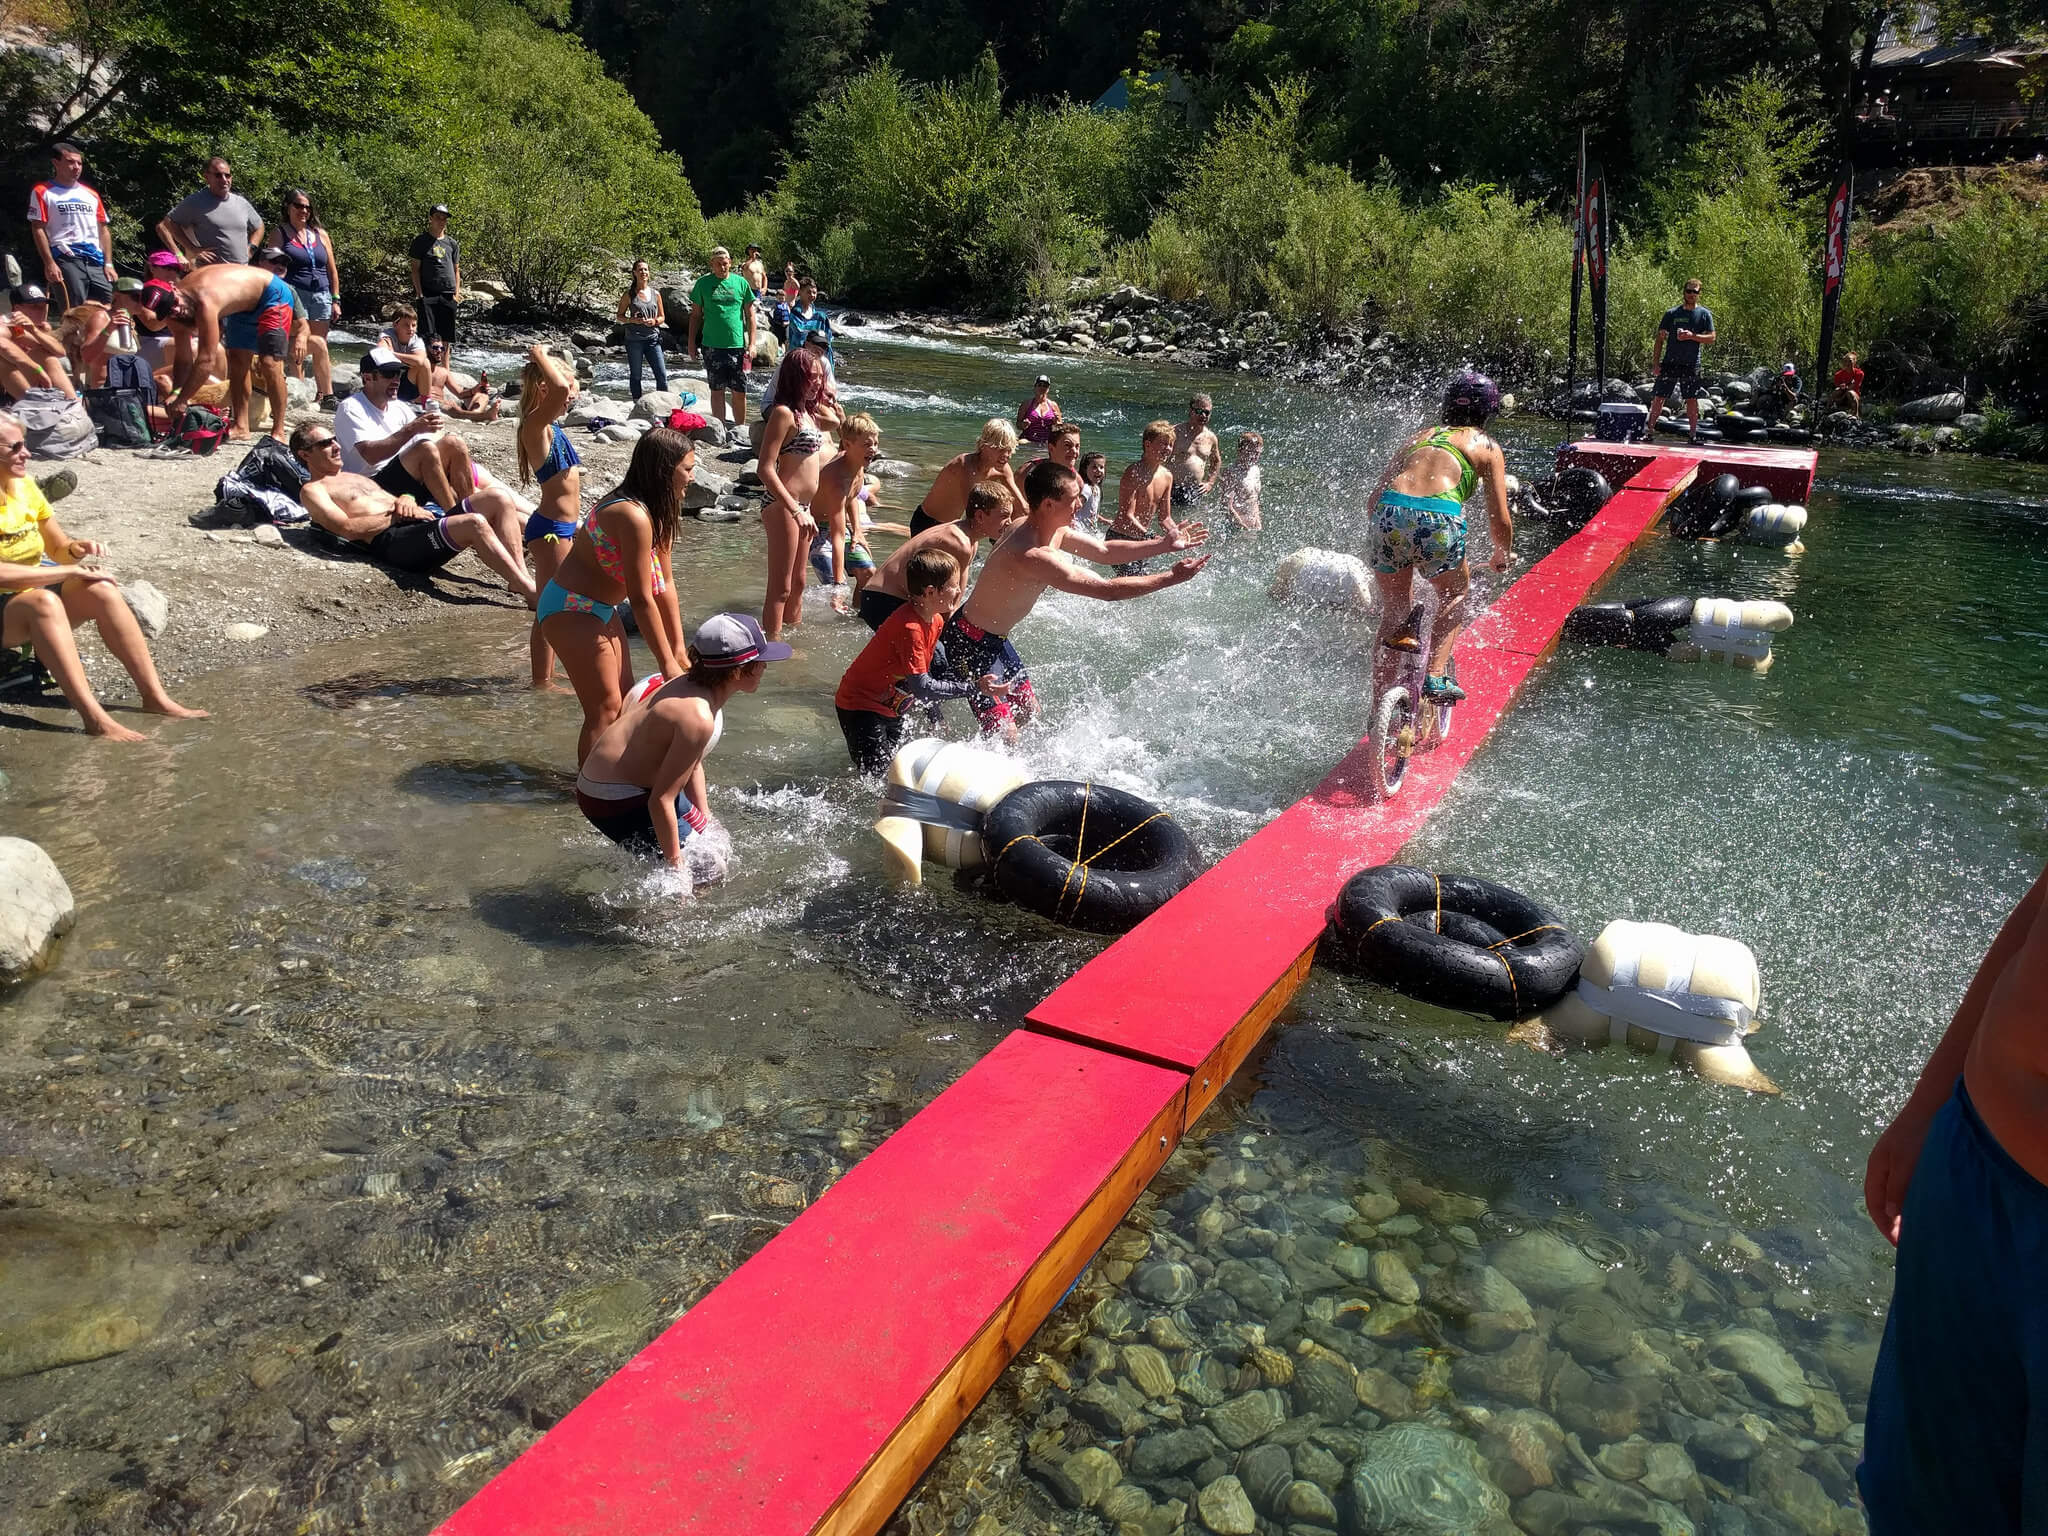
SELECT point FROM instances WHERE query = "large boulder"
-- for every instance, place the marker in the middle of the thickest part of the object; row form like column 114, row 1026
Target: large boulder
column 655, row 405
column 36, row 909
column 151, row 608
column 1945, row 407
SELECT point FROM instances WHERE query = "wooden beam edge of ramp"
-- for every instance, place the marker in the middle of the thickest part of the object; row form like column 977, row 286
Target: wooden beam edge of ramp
column 812, row 1387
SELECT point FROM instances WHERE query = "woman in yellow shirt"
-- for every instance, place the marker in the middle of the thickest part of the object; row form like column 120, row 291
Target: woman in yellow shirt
column 41, row 603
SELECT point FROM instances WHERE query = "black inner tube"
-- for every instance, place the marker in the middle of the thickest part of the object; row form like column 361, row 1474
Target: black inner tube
column 1087, row 855
column 1454, row 940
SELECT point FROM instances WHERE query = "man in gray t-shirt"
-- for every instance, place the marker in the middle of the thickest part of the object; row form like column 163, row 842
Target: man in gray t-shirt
column 218, row 224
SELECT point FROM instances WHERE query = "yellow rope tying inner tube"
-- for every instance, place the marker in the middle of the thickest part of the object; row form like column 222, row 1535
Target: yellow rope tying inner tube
column 1080, row 846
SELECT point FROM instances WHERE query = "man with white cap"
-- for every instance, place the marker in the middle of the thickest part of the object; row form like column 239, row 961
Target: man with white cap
column 642, row 785
column 396, row 444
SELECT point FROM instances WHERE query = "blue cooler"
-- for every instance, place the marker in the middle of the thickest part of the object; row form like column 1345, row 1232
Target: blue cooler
column 1619, row 421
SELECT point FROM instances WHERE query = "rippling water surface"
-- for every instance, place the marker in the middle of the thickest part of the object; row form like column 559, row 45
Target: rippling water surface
column 380, row 1110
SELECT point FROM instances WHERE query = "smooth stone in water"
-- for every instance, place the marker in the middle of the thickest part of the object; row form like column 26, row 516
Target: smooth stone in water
column 1164, row 1282
column 36, row 910
column 1166, row 1451
column 1594, row 1327
column 1401, row 1226
column 1084, row 1477
column 1326, row 1385
column 1419, row 1480
column 1225, row 1509
column 1306, row 1502
column 1390, row 1277
column 1242, row 1420
column 1375, row 1207
column 1545, row 1266
column 1600, row 1411
column 1124, row 1502
column 1148, row 1371
column 1252, row 1286
column 1469, row 1288
column 1530, row 1440
column 1319, row 1465
column 1265, row 1471
column 73, row 1290
column 1625, row 1460
column 1764, row 1363
column 1669, row 1473
column 1797, row 1496
column 1385, row 1394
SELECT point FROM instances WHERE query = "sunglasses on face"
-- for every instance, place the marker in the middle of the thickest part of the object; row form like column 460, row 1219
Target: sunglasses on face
column 322, row 442
column 11, row 449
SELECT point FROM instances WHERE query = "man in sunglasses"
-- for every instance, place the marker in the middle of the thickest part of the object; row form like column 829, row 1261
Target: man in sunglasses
column 1197, row 455
column 399, row 531
column 402, row 448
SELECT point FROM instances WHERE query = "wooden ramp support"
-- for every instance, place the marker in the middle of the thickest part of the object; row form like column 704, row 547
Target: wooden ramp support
column 813, row 1386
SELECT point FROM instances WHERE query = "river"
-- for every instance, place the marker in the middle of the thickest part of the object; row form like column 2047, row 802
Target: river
column 377, row 1110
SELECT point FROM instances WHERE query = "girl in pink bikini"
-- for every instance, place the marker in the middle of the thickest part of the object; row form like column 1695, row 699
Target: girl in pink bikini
column 1037, row 416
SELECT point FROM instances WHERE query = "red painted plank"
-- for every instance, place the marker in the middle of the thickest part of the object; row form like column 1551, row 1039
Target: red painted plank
column 1175, row 989
column 1787, row 471
column 778, row 1393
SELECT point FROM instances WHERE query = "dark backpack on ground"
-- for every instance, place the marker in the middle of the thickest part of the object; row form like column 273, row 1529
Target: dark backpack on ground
column 200, row 431
column 121, row 416
column 264, row 487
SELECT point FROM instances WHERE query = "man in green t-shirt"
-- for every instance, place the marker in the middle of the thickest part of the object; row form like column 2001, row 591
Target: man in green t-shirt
column 722, row 320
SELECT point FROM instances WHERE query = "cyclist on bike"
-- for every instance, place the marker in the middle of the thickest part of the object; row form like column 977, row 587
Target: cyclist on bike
column 1418, row 524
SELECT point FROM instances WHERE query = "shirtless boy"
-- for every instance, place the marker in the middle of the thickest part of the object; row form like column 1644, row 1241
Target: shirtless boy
column 988, row 460
column 247, row 310
column 1144, row 494
column 1418, row 527
column 1036, row 554
column 988, row 514
column 399, row 532
column 843, row 490
column 642, row 785
column 1197, row 456
column 474, row 403
column 1959, row 1181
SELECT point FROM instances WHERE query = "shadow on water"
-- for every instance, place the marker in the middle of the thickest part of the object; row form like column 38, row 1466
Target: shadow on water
column 552, row 917
column 466, row 780
column 359, row 687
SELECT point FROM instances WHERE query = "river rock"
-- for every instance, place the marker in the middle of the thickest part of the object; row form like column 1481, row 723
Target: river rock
column 1374, row 1206
column 1469, row 1287
column 1148, row 1371
column 1600, row 1411
column 1625, row 1460
column 1796, row 1496
column 1524, row 1442
column 1325, row 1385
column 1164, row 1282
column 1391, row 1278
column 1306, row 1502
column 1252, row 1286
column 1668, row 1473
column 246, row 631
column 75, row 1290
column 1225, row 1509
column 1385, row 1394
column 1546, row 1266
column 721, row 513
column 1595, row 1328
column 151, row 608
column 1928, row 408
column 1166, row 1451
column 1511, row 1375
column 1265, row 1471
column 1724, row 1448
column 1084, row 1477
column 1244, row 1419
column 36, row 909
column 1419, row 1480
column 1764, row 1363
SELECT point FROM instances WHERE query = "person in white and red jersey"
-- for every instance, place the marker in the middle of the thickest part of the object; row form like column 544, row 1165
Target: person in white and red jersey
column 69, row 223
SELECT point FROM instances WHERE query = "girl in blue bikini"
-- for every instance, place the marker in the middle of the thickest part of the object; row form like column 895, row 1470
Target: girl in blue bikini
column 621, row 552
column 546, row 389
column 1418, row 524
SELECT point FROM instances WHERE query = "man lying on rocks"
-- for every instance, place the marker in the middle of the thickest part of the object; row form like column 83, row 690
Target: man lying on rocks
column 397, row 530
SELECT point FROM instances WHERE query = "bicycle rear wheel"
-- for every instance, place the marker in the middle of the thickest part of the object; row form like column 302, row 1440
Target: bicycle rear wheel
column 1393, row 740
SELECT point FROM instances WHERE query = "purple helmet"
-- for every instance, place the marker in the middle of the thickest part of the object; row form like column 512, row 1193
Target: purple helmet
column 1470, row 398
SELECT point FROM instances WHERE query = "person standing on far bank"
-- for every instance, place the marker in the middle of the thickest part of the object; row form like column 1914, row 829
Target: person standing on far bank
column 722, row 322
column 436, row 260
column 215, row 224
column 1686, row 327
column 1959, row 1182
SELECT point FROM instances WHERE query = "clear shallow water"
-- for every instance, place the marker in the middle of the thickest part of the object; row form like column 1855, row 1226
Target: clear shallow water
column 436, row 1109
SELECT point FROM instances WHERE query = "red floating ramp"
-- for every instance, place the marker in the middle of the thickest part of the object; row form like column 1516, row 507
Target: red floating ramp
column 809, row 1390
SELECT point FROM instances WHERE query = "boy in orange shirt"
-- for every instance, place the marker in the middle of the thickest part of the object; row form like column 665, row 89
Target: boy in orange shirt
column 897, row 662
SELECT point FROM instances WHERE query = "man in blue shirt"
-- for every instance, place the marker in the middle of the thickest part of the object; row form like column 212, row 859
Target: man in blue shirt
column 1685, row 328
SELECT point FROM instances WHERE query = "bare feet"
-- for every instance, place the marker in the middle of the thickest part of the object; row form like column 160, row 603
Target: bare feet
column 174, row 710
column 112, row 730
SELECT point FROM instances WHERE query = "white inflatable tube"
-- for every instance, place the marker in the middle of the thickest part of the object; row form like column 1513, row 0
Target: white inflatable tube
column 1690, row 997
column 932, row 808
column 1777, row 525
column 1738, row 633
column 1324, row 578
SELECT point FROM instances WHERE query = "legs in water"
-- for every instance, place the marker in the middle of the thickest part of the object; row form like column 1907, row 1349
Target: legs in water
column 787, row 553
column 101, row 603
column 547, row 556
column 591, row 654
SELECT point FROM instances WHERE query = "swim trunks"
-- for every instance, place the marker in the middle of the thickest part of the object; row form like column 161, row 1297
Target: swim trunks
column 726, row 368
column 1671, row 385
column 1425, row 532
column 265, row 329
column 970, row 653
column 871, row 739
column 919, row 521
column 876, row 606
column 415, row 545
column 395, row 478
column 1964, row 1363
column 629, row 823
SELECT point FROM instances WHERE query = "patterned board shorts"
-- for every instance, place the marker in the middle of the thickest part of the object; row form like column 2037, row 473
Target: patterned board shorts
column 1423, row 532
